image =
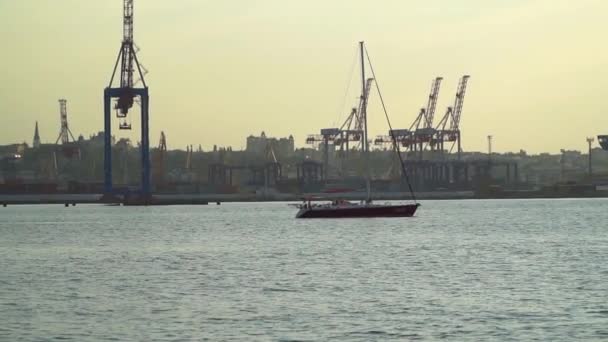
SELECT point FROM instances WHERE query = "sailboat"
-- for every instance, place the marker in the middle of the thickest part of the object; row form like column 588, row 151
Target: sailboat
column 365, row 208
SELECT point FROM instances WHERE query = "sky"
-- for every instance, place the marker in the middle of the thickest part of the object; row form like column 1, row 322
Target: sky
column 222, row 70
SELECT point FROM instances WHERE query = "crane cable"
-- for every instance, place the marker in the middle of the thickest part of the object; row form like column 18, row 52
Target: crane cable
column 395, row 144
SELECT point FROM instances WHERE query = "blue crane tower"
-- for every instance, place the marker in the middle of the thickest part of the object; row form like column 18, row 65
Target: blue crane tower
column 126, row 95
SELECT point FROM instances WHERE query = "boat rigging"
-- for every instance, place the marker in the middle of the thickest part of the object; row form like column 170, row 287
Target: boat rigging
column 366, row 208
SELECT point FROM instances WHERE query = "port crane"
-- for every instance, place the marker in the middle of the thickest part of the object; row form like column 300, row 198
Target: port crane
column 421, row 130
column 350, row 131
column 327, row 135
column 126, row 94
column 68, row 147
column 422, row 127
column 272, row 171
column 64, row 132
column 451, row 133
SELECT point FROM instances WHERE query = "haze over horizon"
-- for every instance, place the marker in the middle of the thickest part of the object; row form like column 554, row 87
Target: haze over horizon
column 220, row 71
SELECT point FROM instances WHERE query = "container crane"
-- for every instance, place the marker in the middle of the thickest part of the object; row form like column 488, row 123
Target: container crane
column 403, row 137
column 350, row 131
column 421, row 130
column 352, row 128
column 127, row 94
column 327, row 135
column 424, row 120
column 451, row 133
column 424, row 131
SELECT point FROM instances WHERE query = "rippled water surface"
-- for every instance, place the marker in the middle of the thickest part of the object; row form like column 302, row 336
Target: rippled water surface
column 461, row 270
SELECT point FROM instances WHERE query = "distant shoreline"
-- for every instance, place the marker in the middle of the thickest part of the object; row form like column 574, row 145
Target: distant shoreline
column 203, row 199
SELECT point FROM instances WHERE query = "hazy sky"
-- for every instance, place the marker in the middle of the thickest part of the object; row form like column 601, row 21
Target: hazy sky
column 221, row 70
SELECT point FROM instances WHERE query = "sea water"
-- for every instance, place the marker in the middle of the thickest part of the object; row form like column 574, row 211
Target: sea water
column 459, row 270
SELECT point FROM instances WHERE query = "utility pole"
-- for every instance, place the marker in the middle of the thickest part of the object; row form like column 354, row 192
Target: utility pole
column 490, row 147
column 590, row 141
column 562, row 164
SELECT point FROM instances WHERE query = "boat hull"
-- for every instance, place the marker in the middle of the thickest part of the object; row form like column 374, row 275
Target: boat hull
column 407, row 210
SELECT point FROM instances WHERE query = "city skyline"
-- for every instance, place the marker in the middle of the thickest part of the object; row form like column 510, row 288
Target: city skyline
column 220, row 73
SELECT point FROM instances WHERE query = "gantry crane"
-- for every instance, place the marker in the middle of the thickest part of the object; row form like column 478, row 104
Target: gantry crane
column 351, row 130
column 423, row 130
column 327, row 135
column 451, row 133
column 404, row 137
column 126, row 94
column 401, row 137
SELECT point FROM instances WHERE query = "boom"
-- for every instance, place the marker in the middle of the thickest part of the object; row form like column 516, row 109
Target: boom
column 458, row 102
column 432, row 102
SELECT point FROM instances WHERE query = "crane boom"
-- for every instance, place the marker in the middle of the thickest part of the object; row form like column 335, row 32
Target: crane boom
column 363, row 104
column 458, row 103
column 432, row 102
column 426, row 115
column 127, row 57
column 126, row 74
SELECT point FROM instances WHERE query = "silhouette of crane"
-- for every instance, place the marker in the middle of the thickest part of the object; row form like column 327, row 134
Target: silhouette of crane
column 451, row 133
column 127, row 94
column 68, row 147
column 64, row 132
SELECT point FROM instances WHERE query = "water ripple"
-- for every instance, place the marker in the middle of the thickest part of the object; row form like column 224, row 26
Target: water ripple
column 463, row 270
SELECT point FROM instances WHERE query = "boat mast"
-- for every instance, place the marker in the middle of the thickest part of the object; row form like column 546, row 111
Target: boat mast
column 364, row 115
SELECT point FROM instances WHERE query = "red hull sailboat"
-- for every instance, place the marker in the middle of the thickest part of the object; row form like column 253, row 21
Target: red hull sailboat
column 346, row 209
column 356, row 210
